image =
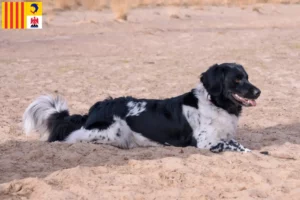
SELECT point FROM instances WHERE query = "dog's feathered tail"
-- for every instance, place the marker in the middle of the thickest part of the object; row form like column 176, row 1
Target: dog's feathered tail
column 50, row 118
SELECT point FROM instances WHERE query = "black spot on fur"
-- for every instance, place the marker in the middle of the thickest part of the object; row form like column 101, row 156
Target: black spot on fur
column 217, row 148
column 61, row 125
column 119, row 132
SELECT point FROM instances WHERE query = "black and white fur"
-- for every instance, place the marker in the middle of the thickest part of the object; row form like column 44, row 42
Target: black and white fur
column 206, row 117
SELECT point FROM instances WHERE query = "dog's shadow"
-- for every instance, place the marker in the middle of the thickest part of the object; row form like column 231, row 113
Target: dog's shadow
column 257, row 139
column 21, row 159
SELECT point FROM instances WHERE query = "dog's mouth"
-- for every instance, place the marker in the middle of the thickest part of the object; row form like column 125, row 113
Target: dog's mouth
column 244, row 101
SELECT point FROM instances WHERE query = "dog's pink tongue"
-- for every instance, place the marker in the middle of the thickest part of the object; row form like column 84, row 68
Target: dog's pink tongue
column 252, row 102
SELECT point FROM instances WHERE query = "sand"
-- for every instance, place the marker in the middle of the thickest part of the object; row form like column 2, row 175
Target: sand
column 85, row 56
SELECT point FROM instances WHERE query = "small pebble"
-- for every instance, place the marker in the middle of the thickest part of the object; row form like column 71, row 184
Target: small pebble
column 264, row 152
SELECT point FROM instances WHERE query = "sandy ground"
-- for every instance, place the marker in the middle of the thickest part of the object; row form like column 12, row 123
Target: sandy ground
column 85, row 56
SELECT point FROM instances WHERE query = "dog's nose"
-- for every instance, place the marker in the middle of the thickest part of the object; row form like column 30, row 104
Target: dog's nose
column 256, row 92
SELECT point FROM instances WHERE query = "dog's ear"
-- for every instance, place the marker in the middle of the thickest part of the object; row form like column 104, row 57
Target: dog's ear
column 213, row 79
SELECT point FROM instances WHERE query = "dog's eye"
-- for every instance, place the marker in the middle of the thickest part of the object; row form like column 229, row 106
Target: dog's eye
column 237, row 80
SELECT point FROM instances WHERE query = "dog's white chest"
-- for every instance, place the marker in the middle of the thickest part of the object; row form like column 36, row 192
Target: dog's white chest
column 210, row 124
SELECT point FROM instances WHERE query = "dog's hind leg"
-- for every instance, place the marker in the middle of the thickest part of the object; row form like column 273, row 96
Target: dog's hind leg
column 117, row 134
column 230, row 145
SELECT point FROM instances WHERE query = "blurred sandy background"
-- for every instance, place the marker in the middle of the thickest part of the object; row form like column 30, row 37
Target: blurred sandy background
column 86, row 52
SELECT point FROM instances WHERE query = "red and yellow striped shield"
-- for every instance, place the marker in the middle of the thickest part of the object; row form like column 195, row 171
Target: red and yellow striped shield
column 16, row 14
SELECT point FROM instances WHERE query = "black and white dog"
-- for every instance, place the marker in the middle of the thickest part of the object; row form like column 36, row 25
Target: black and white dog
column 206, row 117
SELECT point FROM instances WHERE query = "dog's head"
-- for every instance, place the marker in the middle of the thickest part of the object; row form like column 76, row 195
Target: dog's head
column 228, row 82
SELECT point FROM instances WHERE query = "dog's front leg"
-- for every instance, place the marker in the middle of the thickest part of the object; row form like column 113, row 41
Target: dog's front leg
column 230, row 145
